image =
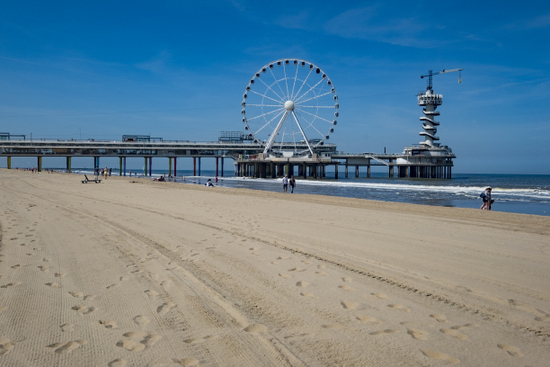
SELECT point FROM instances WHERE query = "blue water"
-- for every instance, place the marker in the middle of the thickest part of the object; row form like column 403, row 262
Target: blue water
column 526, row 194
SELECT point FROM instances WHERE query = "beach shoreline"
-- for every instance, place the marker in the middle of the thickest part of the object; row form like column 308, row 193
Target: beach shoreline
column 136, row 272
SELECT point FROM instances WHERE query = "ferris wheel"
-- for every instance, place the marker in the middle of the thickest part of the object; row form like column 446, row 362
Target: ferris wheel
column 290, row 106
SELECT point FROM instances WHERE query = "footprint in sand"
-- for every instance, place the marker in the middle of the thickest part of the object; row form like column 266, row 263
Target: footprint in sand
column 16, row 266
column 399, row 307
column 438, row 355
column 113, row 286
column 298, row 269
column 512, row 350
column 256, row 328
column 302, row 284
column 120, row 362
column 47, row 259
column 368, row 319
column 346, row 279
column 45, row 269
column 166, row 284
column 109, row 324
column 307, row 294
column 285, row 275
column 439, row 318
column 5, row 346
column 386, row 331
column 165, row 308
column 76, row 294
column 187, row 362
column 349, row 305
column 124, row 277
column 67, row 328
column 136, row 341
column 321, row 273
column 418, row 334
column 346, row 288
column 380, row 295
column 455, row 334
column 458, row 327
column 10, row 285
column 53, row 285
column 151, row 293
column 141, row 320
column 546, row 317
column 201, row 340
column 68, row 347
column 332, row 326
column 83, row 310
column 59, row 275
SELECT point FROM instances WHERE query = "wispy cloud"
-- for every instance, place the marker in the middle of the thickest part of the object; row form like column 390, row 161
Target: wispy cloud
column 156, row 65
column 365, row 23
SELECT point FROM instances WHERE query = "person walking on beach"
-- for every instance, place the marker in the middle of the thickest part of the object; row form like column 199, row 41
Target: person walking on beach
column 285, row 184
column 292, row 183
column 486, row 196
column 105, row 172
column 96, row 173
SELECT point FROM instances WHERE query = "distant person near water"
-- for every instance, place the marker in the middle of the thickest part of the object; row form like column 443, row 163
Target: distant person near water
column 96, row 173
column 486, row 196
column 285, row 184
column 292, row 183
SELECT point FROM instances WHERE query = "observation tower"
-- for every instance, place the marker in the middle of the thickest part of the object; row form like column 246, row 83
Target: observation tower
column 429, row 159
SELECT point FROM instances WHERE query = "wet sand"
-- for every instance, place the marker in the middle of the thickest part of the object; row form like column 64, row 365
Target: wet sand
column 131, row 272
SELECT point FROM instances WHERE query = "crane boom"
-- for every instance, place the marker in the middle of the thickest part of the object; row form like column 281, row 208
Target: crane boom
column 431, row 73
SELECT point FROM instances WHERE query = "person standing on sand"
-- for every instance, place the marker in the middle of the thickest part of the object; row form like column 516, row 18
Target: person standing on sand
column 105, row 172
column 285, row 184
column 292, row 183
column 486, row 196
column 96, row 173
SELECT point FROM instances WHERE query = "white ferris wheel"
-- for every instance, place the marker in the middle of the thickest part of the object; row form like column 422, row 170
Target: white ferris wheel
column 290, row 106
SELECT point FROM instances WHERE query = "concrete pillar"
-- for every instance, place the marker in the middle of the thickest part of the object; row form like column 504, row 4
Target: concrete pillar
column 175, row 167
column 39, row 164
column 194, row 166
column 217, row 164
column 8, row 164
column 304, row 170
column 336, row 171
column 222, row 166
column 368, row 171
column 169, row 166
column 96, row 162
column 346, row 171
column 150, row 166
column 69, row 164
column 356, row 171
column 145, row 170
column 124, row 159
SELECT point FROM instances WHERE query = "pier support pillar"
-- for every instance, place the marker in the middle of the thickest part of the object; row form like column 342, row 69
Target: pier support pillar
column 124, row 163
column 199, row 166
column 120, row 166
column 368, row 171
column 356, row 171
column 150, row 166
column 346, row 170
column 68, row 164
column 336, row 171
column 145, row 167
column 8, row 163
column 222, row 166
column 175, row 167
column 39, row 164
column 194, row 166
column 96, row 162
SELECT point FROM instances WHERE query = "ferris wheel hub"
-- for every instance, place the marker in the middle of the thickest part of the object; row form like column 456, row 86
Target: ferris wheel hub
column 289, row 106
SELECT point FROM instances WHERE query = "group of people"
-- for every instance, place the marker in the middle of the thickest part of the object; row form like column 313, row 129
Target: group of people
column 105, row 172
column 287, row 182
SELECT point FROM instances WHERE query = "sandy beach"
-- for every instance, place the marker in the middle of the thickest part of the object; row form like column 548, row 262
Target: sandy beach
column 131, row 272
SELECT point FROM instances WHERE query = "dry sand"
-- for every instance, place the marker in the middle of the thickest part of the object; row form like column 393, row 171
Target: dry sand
column 131, row 272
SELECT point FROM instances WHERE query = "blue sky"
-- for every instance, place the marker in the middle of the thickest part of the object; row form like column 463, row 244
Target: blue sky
column 178, row 69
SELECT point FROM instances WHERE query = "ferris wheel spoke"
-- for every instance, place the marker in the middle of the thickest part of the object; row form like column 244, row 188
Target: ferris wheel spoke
column 317, row 96
column 303, row 83
column 277, row 82
column 310, row 124
column 269, row 122
column 265, row 96
column 266, row 105
column 281, row 99
column 286, row 81
column 313, row 115
column 264, row 114
column 309, row 90
column 295, row 79
column 302, row 106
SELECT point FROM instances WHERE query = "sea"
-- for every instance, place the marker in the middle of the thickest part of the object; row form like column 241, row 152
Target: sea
column 524, row 194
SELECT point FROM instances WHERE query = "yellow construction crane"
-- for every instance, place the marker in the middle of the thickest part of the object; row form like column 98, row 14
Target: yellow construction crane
column 431, row 73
